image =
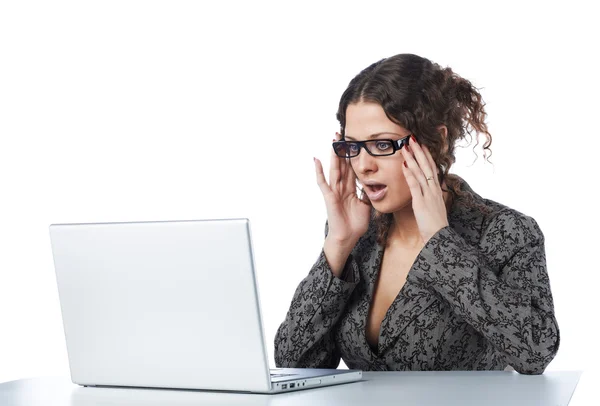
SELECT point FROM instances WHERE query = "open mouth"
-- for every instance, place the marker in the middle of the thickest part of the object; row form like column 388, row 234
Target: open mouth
column 375, row 188
column 375, row 192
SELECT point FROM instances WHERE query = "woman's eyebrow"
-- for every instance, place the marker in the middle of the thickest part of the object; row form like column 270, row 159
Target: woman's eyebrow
column 375, row 135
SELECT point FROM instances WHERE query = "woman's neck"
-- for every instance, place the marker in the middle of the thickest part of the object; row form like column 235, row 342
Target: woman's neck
column 404, row 230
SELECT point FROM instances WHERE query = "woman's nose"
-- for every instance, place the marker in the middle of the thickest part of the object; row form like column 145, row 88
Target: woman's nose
column 364, row 162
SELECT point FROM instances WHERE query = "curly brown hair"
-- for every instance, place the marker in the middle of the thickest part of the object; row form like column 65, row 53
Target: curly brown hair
column 420, row 96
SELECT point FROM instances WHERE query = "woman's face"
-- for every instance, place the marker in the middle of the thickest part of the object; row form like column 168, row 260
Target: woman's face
column 364, row 119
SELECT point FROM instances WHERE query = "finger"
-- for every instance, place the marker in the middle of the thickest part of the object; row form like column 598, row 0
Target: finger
column 415, row 171
column 335, row 167
column 420, row 164
column 349, row 175
column 349, row 179
column 325, row 189
column 411, row 181
column 436, row 180
column 343, row 164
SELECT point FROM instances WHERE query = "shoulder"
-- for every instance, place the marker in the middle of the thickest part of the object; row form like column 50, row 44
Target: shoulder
column 486, row 220
column 508, row 234
column 503, row 223
column 497, row 230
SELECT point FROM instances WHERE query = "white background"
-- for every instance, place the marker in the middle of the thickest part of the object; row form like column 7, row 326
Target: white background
column 146, row 110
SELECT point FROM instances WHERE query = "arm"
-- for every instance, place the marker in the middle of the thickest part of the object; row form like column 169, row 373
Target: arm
column 510, row 304
column 305, row 338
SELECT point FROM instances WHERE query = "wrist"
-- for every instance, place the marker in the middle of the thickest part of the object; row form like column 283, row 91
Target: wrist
column 341, row 244
column 337, row 254
column 428, row 237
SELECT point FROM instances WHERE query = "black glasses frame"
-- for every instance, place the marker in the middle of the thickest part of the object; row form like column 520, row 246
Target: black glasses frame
column 397, row 145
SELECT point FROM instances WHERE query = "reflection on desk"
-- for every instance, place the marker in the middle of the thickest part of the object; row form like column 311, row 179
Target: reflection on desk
column 489, row 388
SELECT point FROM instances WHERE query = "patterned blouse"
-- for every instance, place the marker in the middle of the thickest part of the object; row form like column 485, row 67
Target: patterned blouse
column 477, row 297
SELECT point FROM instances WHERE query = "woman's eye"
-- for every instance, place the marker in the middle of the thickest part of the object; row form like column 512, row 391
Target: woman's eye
column 353, row 147
column 382, row 146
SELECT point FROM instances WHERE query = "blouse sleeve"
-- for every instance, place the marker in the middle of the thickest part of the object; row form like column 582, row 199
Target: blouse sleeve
column 501, row 287
column 305, row 338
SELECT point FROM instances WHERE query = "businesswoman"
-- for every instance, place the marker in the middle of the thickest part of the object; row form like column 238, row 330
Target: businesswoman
column 417, row 271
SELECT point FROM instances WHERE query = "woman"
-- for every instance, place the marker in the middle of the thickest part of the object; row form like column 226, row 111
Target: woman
column 421, row 273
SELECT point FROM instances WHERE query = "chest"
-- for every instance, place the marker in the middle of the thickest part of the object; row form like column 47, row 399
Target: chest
column 395, row 265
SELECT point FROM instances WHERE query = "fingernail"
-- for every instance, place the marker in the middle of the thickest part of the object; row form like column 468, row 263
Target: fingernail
column 406, row 166
column 413, row 139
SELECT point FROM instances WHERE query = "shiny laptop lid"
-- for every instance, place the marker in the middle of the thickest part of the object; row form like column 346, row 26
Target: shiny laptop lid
column 161, row 304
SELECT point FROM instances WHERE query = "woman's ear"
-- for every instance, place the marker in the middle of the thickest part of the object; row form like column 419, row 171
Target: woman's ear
column 444, row 132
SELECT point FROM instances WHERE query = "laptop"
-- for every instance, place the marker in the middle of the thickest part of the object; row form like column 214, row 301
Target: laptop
column 168, row 304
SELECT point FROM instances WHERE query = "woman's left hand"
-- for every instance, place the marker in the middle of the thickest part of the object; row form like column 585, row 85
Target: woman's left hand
column 428, row 202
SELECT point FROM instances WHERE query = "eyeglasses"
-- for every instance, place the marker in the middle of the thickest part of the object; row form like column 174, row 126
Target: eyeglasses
column 350, row 149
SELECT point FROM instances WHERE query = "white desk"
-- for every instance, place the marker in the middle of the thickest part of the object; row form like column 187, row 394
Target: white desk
column 489, row 388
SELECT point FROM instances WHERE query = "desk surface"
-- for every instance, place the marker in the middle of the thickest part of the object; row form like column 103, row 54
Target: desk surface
column 489, row 388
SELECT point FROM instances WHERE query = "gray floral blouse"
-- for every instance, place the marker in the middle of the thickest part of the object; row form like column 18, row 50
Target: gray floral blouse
column 477, row 297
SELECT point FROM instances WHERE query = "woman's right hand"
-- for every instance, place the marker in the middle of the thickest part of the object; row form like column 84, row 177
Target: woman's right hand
column 347, row 215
